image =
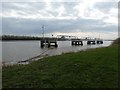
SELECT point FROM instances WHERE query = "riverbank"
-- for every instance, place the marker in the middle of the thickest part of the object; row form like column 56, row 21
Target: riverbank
column 94, row 68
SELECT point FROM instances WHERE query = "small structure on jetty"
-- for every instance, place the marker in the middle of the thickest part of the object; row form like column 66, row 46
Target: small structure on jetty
column 76, row 42
column 93, row 42
column 100, row 42
column 48, row 43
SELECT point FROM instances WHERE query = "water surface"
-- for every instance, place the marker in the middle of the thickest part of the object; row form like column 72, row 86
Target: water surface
column 14, row 51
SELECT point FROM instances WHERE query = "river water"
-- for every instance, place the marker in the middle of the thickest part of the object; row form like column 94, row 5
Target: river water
column 15, row 51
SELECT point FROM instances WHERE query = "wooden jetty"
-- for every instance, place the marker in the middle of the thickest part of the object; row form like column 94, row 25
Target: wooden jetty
column 52, row 42
column 74, row 40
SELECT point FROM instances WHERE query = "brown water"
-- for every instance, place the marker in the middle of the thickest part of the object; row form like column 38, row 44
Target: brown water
column 15, row 51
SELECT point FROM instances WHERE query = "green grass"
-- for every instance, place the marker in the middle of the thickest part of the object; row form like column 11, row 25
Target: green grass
column 94, row 68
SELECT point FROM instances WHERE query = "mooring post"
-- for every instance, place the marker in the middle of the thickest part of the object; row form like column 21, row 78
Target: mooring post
column 91, row 42
column 100, row 42
column 77, row 42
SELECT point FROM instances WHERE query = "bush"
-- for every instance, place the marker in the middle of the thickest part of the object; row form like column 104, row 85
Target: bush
column 117, row 41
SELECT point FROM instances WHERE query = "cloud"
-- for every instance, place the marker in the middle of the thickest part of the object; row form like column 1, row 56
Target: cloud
column 34, row 26
column 59, row 17
column 105, row 7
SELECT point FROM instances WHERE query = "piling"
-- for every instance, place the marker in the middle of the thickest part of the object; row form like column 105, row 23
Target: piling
column 100, row 42
column 77, row 43
column 91, row 42
column 49, row 43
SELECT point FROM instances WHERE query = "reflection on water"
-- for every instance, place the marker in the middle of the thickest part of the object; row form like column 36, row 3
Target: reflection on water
column 14, row 51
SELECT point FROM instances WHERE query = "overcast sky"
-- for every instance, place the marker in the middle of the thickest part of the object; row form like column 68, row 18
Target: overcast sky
column 82, row 18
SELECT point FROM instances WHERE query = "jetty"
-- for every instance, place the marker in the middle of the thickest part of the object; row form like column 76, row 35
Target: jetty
column 49, row 42
column 75, row 41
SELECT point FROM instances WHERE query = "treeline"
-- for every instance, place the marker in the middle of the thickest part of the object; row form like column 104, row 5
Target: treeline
column 13, row 37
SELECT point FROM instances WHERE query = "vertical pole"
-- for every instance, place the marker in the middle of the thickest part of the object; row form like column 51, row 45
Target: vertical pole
column 43, row 35
column 99, row 36
column 43, row 31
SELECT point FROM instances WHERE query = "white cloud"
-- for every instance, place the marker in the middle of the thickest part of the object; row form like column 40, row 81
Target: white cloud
column 111, row 20
column 61, row 0
column 83, row 12
column 87, row 11
column 112, row 17
column 114, row 12
column 61, row 11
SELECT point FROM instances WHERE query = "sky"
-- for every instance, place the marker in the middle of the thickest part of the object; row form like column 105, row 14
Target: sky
column 82, row 18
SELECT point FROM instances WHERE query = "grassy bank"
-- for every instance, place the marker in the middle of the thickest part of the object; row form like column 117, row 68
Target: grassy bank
column 94, row 68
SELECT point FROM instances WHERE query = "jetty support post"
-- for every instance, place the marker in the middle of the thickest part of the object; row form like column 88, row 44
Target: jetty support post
column 48, row 43
column 77, row 42
column 91, row 42
column 99, row 42
column 52, row 43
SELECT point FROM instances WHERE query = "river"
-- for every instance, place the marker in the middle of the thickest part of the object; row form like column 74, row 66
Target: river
column 15, row 51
